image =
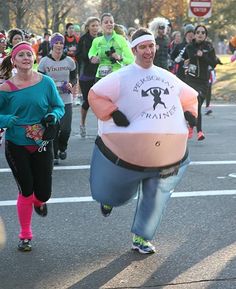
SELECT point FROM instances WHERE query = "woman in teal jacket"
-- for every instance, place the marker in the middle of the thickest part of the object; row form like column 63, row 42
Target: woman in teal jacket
column 111, row 51
column 30, row 106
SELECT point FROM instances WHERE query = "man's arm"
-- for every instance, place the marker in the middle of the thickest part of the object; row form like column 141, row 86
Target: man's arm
column 102, row 106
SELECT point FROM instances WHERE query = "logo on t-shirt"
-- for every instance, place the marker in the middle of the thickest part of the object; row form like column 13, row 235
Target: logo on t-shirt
column 156, row 93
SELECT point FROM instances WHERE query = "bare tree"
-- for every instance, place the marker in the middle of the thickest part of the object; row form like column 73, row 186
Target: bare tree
column 4, row 15
column 20, row 8
column 39, row 15
column 55, row 13
column 60, row 9
column 143, row 10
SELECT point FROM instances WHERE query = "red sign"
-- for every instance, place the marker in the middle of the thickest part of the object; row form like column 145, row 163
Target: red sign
column 200, row 8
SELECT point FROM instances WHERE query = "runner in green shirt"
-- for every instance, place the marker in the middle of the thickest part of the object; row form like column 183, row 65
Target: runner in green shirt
column 111, row 50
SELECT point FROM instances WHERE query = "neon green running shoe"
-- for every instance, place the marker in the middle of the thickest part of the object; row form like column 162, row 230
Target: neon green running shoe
column 142, row 246
column 106, row 210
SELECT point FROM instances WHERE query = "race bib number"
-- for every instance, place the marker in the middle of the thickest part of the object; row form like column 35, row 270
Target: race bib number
column 104, row 70
column 192, row 70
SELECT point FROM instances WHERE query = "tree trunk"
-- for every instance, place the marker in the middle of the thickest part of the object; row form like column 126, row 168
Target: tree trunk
column 5, row 15
column 46, row 15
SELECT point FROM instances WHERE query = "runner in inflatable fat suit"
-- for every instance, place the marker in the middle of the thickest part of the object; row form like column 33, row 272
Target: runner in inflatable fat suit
column 143, row 116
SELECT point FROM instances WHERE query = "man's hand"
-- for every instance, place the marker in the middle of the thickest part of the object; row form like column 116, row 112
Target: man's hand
column 119, row 118
column 191, row 119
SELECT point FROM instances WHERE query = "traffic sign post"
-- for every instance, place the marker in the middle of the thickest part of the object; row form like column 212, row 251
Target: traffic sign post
column 200, row 8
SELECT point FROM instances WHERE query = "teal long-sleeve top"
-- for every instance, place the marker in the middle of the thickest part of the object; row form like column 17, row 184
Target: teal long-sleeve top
column 30, row 105
column 100, row 45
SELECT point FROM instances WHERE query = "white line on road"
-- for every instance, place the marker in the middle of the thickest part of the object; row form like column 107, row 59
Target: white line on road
column 87, row 167
column 61, row 168
column 89, row 199
column 213, row 163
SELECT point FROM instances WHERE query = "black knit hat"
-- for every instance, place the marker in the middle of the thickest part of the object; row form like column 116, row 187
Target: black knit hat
column 188, row 28
column 11, row 33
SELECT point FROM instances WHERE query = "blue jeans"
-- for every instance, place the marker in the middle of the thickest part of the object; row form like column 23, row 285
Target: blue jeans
column 114, row 185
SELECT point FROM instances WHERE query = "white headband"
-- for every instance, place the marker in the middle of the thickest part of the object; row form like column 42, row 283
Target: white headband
column 146, row 37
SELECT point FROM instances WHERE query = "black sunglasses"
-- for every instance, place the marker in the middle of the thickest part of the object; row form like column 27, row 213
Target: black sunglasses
column 161, row 27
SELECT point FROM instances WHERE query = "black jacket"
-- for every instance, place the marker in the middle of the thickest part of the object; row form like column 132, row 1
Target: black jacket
column 44, row 48
column 199, row 67
column 161, row 56
column 86, row 68
column 177, row 55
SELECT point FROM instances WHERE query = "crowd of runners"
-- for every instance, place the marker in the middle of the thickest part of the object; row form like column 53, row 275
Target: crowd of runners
column 103, row 61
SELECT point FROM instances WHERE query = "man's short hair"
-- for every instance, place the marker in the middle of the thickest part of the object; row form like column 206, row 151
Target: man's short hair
column 68, row 25
column 140, row 32
column 47, row 33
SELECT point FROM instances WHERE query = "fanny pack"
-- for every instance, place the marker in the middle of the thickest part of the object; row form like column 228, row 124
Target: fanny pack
column 41, row 133
column 35, row 132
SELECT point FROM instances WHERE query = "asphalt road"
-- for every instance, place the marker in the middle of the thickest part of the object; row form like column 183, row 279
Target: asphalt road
column 75, row 247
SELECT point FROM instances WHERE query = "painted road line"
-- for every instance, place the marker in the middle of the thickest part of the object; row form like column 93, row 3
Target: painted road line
column 212, row 163
column 89, row 199
column 87, row 167
column 223, row 104
column 61, row 168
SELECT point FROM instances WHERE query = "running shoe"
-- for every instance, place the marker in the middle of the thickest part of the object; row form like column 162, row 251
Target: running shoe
column 42, row 210
column 208, row 111
column 62, row 155
column 142, row 246
column 83, row 131
column 200, row 135
column 190, row 132
column 24, row 245
column 106, row 210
